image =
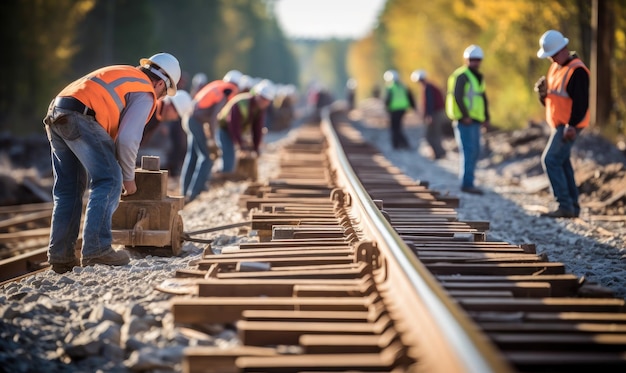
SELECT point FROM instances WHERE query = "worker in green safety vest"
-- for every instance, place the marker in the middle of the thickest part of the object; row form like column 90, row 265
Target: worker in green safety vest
column 398, row 100
column 466, row 106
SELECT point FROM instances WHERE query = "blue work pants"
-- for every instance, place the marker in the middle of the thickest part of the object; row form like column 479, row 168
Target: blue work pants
column 557, row 165
column 228, row 151
column 197, row 166
column 82, row 153
column 468, row 140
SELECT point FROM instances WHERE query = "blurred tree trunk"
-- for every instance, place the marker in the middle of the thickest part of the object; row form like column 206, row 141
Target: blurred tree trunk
column 39, row 42
column 602, row 46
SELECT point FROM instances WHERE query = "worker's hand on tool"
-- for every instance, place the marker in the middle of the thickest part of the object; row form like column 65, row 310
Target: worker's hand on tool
column 214, row 150
column 569, row 133
column 541, row 87
column 129, row 188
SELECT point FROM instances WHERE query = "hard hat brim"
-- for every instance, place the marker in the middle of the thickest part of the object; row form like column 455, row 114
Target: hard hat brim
column 542, row 53
column 171, row 91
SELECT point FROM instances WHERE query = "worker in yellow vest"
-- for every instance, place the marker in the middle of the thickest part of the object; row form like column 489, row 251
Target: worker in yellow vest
column 398, row 100
column 466, row 106
column 243, row 118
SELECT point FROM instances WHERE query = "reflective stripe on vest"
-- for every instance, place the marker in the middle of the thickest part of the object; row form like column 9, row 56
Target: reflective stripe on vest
column 472, row 96
column 242, row 100
column 399, row 97
column 558, row 102
column 213, row 93
column 105, row 90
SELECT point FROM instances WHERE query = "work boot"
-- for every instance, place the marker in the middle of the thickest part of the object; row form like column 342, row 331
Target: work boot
column 472, row 190
column 64, row 267
column 112, row 258
column 559, row 213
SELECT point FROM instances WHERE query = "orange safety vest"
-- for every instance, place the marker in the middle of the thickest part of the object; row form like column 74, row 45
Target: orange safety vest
column 105, row 90
column 558, row 102
column 213, row 93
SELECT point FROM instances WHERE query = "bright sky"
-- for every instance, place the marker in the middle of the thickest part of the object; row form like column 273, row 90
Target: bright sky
column 328, row 18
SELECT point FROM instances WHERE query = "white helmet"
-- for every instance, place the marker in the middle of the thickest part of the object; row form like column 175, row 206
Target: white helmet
column 418, row 75
column 183, row 103
column 245, row 83
column 265, row 89
column 473, row 52
column 166, row 67
column 199, row 80
column 233, row 76
column 390, row 75
column 551, row 42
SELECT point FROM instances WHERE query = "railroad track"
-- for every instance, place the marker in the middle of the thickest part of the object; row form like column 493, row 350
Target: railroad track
column 24, row 232
column 369, row 270
column 359, row 268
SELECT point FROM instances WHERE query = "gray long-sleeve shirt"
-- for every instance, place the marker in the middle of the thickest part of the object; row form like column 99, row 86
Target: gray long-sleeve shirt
column 132, row 122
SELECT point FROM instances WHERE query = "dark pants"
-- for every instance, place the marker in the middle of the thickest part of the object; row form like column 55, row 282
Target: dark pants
column 434, row 131
column 178, row 150
column 398, row 139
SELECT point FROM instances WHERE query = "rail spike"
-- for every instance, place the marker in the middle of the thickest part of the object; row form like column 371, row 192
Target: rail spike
column 340, row 197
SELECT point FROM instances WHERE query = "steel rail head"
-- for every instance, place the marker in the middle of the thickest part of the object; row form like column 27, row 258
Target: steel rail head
column 471, row 351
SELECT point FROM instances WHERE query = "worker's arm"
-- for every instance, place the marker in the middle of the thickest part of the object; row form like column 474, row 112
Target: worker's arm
column 132, row 122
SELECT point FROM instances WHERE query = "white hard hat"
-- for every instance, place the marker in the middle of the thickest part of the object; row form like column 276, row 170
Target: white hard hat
column 551, row 42
column 418, row 75
column 245, row 82
column 233, row 76
column 183, row 103
column 199, row 80
column 265, row 89
column 390, row 75
column 291, row 89
column 166, row 67
column 473, row 52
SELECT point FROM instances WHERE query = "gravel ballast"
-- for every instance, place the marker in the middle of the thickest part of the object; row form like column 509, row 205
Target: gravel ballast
column 112, row 319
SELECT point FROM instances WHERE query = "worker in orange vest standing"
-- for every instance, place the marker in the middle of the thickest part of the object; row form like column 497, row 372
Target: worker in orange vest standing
column 565, row 94
column 95, row 126
column 201, row 127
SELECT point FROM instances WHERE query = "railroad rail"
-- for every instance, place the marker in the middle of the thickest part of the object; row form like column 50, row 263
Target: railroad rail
column 24, row 232
column 360, row 268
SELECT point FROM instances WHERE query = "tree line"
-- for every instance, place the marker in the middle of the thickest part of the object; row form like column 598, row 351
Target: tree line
column 432, row 35
column 49, row 43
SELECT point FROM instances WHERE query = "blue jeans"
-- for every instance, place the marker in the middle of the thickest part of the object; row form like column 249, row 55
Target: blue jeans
column 556, row 163
column 228, row 151
column 197, row 165
column 82, row 152
column 468, row 140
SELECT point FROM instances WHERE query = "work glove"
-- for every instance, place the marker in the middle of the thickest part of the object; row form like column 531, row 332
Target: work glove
column 214, row 152
column 541, row 88
column 569, row 133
